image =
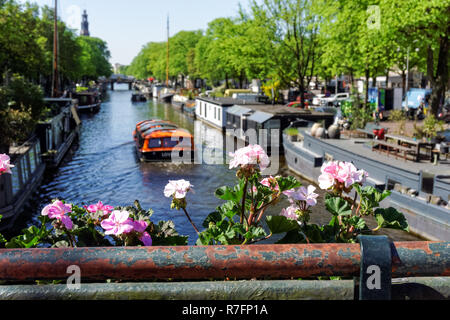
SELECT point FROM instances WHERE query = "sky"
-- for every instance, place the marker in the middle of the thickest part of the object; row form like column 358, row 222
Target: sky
column 127, row 25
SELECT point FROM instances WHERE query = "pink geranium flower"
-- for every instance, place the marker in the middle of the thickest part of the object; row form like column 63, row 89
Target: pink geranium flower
column 5, row 166
column 140, row 226
column 249, row 156
column 146, row 239
column 343, row 172
column 177, row 188
column 290, row 212
column 118, row 223
column 271, row 183
column 306, row 195
column 93, row 208
column 57, row 210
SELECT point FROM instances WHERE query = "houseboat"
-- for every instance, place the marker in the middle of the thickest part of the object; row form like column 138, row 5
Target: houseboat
column 160, row 140
column 58, row 133
column 88, row 101
column 243, row 120
column 138, row 97
column 212, row 111
column 17, row 188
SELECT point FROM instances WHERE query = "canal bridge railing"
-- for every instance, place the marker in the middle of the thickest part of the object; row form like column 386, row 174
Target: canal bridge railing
column 372, row 269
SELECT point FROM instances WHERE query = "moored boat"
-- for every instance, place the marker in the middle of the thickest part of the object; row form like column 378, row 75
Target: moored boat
column 88, row 101
column 160, row 140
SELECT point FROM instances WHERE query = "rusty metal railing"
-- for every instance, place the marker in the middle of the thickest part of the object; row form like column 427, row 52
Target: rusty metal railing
column 263, row 262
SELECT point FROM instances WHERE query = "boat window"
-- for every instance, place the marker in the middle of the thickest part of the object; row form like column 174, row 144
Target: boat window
column 154, row 143
column 171, row 142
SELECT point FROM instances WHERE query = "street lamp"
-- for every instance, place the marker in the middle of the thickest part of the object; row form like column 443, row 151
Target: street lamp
column 407, row 73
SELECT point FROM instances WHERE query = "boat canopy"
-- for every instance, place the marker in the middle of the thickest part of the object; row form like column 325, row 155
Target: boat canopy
column 238, row 110
column 260, row 117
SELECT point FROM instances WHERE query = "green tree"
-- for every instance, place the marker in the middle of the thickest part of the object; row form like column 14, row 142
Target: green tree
column 426, row 23
column 295, row 30
column 20, row 44
column 94, row 58
column 180, row 45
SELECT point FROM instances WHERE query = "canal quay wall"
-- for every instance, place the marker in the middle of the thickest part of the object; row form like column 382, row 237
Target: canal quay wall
column 404, row 179
column 44, row 151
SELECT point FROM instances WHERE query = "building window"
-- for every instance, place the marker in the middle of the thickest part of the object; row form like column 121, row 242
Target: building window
column 215, row 112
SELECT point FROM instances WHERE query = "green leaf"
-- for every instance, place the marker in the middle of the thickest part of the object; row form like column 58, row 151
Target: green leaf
column 235, row 194
column 254, row 233
column 338, row 206
column 213, row 217
column 170, row 241
column 391, row 218
column 292, row 236
column 280, row 224
column 287, row 183
column 357, row 222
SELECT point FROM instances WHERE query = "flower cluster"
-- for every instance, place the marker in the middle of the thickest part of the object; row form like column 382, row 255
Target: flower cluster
column 120, row 224
column 272, row 183
column 340, row 176
column 249, row 157
column 301, row 199
column 58, row 210
column 177, row 188
column 99, row 208
column 5, row 166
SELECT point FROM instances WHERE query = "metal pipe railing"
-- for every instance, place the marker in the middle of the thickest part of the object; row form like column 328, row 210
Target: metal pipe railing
column 281, row 261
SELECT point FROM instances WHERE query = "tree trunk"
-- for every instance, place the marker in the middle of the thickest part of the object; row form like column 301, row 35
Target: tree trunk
column 387, row 79
column 366, row 94
column 403, row 83
column 439, row 82
column 226, row 81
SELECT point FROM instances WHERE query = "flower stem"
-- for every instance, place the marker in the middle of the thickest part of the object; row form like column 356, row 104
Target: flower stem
column 190, row 220
column 243, row 201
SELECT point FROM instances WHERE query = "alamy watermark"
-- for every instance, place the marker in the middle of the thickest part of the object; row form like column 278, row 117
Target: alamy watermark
column 374, row 19
column 214, row 149
column 74, row 280
column 374, row 280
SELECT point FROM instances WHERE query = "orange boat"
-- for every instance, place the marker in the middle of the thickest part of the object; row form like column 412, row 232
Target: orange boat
column 161, row 140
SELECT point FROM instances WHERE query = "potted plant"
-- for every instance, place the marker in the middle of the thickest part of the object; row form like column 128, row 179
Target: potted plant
column 292, row 133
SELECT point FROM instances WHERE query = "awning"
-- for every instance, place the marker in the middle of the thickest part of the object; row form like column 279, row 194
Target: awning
column 260, row 117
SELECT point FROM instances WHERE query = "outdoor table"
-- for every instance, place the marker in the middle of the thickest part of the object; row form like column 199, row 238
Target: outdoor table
column 417, row 144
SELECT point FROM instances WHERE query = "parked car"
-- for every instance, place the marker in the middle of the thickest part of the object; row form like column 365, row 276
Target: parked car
column 335, row 98
column 316, row 100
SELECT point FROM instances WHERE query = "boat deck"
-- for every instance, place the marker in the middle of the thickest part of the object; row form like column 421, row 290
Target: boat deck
column 360, row 146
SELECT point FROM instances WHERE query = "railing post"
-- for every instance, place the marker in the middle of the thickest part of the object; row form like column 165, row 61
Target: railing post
column 376, row 268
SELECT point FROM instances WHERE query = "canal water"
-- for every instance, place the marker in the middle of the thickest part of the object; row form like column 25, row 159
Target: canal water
column 105, row 167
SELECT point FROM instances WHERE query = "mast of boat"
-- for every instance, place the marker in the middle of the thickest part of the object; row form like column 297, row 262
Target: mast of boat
column 167, row 60
column 55, row 78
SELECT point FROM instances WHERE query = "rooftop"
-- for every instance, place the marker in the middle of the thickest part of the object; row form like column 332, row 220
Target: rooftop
column 276, row 109
column 280, row 109
column 224, row 102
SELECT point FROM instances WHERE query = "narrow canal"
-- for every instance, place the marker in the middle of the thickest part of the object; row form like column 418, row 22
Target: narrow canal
column 105, row 167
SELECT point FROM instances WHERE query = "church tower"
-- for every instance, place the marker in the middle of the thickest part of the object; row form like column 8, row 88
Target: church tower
column 84, row 24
